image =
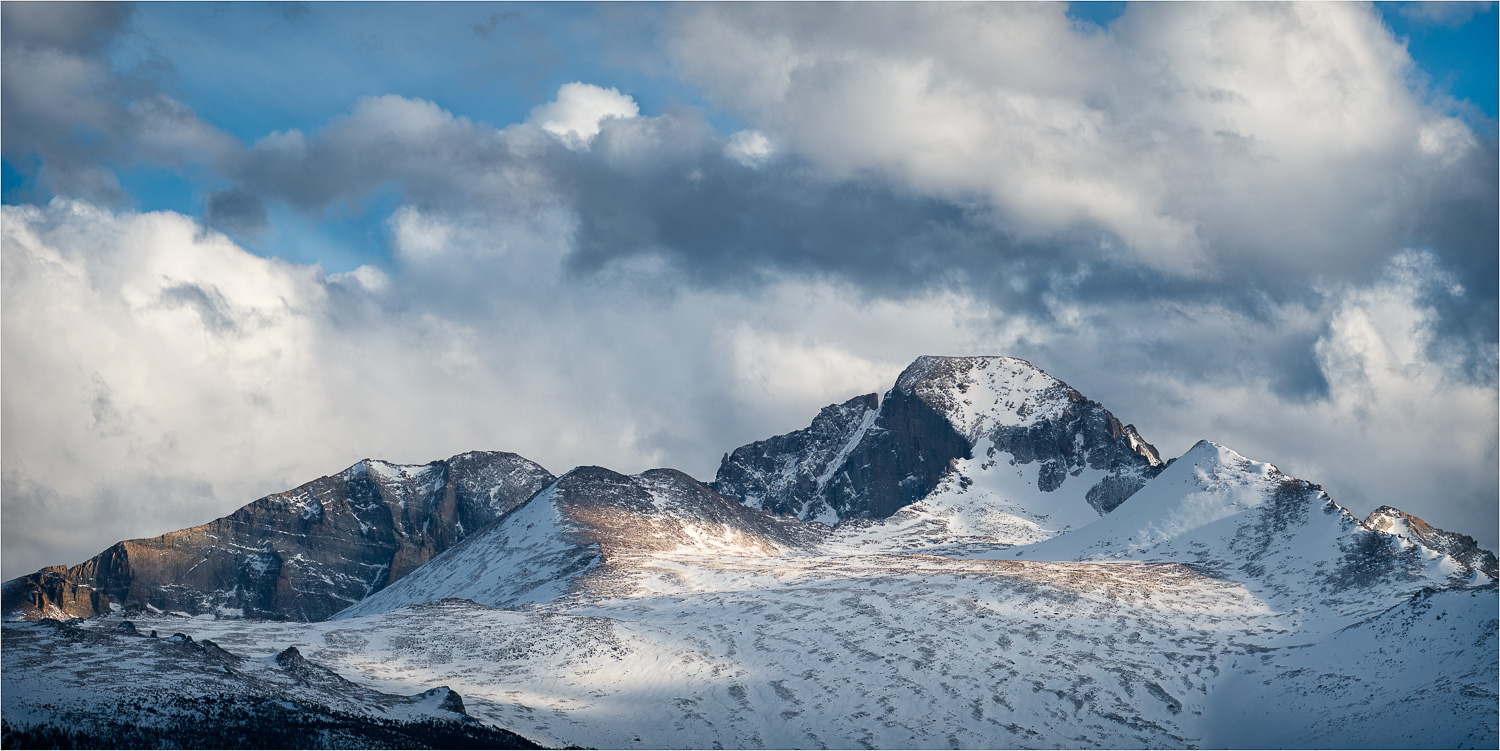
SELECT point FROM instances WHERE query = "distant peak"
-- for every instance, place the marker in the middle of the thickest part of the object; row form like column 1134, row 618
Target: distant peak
column 1463, row 548
column 929, row 368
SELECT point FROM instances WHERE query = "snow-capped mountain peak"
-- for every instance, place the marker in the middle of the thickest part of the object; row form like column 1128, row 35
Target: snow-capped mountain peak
column 977, row 394
column 966, row 449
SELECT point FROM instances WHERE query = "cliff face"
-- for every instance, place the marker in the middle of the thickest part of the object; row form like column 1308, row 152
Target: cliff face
column 301, row 555
column 860, row 460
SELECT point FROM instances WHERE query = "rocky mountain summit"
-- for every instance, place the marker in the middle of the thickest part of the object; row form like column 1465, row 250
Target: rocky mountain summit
column 1461, row 547
column 304, row 554
column 1051, row 458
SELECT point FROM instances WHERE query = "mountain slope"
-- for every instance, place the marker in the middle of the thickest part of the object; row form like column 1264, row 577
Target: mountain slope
column 68, row 687
column 1246, row 521
column 1419, row 675
column 571, row 536
column 303, row 554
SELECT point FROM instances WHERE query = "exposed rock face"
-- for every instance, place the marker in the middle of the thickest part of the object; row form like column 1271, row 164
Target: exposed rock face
column 860, row 460
column 665, row 510
column 302, row 555
column 1461, row 547
column 571, row 536
column 787, row 474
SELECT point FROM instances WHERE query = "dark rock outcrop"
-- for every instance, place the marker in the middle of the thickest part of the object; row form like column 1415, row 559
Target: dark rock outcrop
column 303, row 554
column 861, row 459
column 787, row 474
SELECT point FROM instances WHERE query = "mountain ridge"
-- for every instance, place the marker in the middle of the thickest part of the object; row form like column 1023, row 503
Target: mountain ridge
column 1055, row 584
column 303, row 554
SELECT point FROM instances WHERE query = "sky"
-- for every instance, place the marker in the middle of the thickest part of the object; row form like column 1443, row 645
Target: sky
column 246, row 245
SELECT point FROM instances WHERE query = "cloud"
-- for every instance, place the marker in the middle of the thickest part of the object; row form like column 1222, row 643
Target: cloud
column 748, row 147
column 579, row 109
column 237, row 212
column 67, row 114
column 67, row 26
column 1450, row 14
column 1233, row 222
column 1207, row 141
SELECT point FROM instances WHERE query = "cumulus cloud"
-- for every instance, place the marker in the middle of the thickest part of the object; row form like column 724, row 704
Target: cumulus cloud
column 1207, row 140
column 579, row 108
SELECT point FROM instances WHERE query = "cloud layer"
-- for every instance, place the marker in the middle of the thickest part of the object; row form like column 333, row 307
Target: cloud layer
column 1237, row 222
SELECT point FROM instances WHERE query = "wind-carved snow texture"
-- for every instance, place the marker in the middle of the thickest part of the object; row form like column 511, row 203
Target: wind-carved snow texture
column 990, row 449
column 1418, row 675
column 1222, row 604
column 303, row 554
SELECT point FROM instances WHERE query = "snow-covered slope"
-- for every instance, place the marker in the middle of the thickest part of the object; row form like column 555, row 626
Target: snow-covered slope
column 66, row 686
column 986, row 451
column 1246, row 521
column 911, row 652
column 1419, row 675
column 571, row 533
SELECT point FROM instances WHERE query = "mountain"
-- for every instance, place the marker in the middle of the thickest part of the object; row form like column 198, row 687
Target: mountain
column 1282, row 538
column 303, row 554
column 1052, row 584
column 123, row 689
column 1461, row 547
column 587, row 525
column 995, row 448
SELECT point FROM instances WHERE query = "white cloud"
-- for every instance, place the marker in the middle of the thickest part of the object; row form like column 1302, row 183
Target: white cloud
column 579, row 109
column 748, row 147
column 1209, row 138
